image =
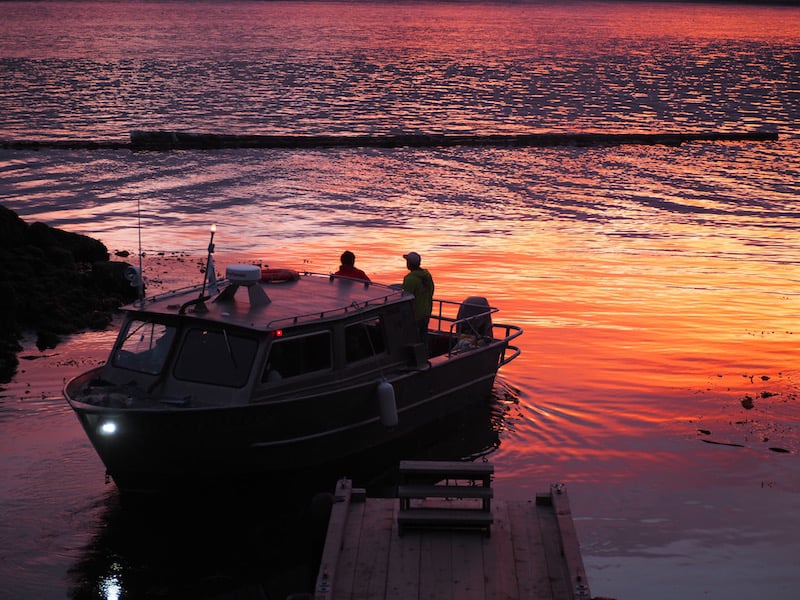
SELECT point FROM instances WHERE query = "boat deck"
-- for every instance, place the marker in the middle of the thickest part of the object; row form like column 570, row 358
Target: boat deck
column 526, row 550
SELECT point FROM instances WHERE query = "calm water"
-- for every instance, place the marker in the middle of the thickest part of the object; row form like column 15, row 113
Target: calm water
column 658, row 286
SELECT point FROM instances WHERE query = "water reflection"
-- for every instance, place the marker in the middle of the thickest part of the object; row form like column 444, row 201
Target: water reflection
column 196, row 547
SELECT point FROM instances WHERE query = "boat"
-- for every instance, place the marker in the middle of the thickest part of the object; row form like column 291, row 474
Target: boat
column 268, row 371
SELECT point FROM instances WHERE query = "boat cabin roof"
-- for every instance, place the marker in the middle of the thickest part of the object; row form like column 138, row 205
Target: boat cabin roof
column 268, row 306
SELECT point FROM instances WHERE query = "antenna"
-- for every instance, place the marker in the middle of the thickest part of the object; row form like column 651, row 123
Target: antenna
column 132, row 274
column 200, row 305
column 141, row 271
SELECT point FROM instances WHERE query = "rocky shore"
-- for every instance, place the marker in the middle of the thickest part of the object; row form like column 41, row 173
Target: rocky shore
column 53, row 283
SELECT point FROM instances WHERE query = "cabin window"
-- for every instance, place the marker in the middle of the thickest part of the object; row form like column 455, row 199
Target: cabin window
column 145, row 347
column 290, row 357
column 364, row 340
column 216, row 357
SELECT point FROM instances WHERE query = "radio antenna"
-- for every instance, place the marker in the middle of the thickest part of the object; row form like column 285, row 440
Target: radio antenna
column 209, row 276
column 139, row 210
column 134, row 274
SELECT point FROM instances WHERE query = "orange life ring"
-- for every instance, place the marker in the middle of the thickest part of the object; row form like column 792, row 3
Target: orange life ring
column 279, row 275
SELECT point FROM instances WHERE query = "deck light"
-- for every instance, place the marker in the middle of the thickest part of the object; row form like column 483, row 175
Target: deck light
column 108, row 428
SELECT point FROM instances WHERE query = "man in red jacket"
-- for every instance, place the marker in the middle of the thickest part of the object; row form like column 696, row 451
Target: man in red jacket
column 348, row 269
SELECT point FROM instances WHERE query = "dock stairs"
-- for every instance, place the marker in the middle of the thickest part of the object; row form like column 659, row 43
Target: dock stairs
column 531, row 554
column 445, row 494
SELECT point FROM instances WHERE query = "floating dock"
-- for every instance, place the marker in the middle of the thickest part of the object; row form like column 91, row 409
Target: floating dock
column 445, row 536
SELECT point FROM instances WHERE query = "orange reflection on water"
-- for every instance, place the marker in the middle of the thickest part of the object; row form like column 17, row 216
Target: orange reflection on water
column 639, row 347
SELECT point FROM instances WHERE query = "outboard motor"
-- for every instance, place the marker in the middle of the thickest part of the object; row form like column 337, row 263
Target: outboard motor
column 474, row 325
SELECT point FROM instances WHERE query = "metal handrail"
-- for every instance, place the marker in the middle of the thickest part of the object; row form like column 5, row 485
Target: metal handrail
column 504, row 360
column 509, row 332
column 517, row 331
column 440, row 317
column 332, row 312
column 392, row 294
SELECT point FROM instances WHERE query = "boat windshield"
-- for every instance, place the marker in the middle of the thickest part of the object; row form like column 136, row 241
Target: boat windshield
column 145, row 347
column 215, row 356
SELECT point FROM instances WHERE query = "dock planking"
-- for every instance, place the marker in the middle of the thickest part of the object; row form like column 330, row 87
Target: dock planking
column 532, row 553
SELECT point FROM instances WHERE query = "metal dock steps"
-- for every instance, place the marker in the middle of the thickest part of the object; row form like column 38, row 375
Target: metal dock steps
column 425, row 502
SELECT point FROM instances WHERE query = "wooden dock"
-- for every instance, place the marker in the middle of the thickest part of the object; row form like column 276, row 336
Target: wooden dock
column 501, row 550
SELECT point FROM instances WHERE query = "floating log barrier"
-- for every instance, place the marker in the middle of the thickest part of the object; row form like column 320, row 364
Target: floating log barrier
column 177, row 140
column 64, row 145
column 174, row 140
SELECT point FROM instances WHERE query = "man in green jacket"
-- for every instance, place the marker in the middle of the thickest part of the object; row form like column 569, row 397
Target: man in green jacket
column 420, row 283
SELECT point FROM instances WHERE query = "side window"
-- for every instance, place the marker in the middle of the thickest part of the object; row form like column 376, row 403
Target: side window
column 145, row 347
column 364, row 340
column 216, row 357
column 290, row 357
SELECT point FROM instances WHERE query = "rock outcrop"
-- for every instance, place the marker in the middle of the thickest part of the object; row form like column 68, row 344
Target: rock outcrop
column 53, row 283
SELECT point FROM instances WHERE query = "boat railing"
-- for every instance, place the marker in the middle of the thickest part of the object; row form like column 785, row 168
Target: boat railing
column 390, row 295
column 509, row 352
column 194, row 287
column 474, row 327
column 171, row 293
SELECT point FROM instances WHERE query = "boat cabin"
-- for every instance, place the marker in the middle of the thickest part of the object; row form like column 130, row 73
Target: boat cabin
column 258, row 342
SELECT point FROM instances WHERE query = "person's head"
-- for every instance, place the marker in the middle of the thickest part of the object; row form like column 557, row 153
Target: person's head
column 348, row 258
column 413, row 260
